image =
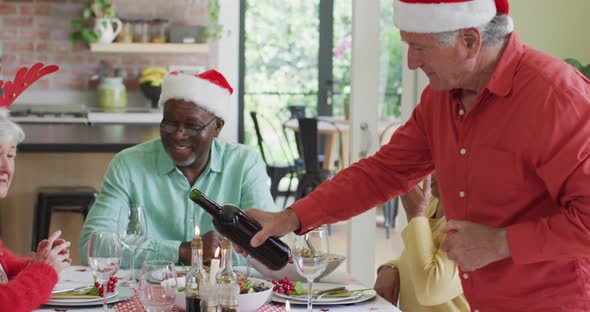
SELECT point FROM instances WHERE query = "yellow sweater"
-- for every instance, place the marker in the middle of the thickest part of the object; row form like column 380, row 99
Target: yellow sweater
column 429, row 281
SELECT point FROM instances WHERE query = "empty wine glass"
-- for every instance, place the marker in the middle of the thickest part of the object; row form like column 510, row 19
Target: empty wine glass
column 104, row 258
column 133, row 231
column 248, row 266
column 157, row 285
column 310, row 254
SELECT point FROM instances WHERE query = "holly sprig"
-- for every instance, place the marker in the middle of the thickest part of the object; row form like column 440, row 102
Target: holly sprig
column 98, row 289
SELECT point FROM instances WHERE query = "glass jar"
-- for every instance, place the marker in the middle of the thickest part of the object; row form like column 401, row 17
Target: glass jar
column 145, row 28
column 112, row 92
column 141, row 31
column 126, row 34
column 159, row 30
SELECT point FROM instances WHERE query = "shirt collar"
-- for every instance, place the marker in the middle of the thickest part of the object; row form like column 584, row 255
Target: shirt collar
column 502, row 79
column 165, row 164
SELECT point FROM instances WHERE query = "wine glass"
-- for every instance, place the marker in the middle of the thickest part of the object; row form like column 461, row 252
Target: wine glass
column 310, row 254
column 248, row 266
column 104, row 258
column 133, row 231
column 157, row 285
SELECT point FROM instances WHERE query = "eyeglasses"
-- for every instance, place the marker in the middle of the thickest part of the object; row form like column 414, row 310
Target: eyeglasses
column 168, row 128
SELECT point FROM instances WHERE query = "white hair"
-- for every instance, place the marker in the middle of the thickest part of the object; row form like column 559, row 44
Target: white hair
column 10, row 133
column 492, row 32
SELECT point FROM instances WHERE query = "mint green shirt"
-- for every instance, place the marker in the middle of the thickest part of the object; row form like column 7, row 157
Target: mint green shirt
column 145, row 175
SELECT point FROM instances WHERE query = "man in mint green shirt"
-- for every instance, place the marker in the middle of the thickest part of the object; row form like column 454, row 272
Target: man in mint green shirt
column 160, row 174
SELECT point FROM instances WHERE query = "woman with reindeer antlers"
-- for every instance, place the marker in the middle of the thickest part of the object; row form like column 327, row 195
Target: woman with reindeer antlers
column 25, row 283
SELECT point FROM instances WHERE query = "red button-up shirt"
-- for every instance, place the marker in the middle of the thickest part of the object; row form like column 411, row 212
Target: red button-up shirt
column 518, row 160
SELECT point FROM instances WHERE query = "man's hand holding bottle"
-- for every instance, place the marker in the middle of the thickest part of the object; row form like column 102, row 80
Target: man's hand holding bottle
column 274, row 224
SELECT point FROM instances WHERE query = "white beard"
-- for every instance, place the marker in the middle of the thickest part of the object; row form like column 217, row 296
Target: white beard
column 188, row 162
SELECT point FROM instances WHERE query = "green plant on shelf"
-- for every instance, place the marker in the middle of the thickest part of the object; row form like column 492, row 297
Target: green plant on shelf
column 213, row 30
column 84, row 28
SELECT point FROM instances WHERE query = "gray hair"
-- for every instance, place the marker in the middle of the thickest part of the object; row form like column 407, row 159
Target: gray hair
column 10, row 133
column 493, row 32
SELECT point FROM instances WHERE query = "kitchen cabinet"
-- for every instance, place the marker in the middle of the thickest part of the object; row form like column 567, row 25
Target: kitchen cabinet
column 138, row 48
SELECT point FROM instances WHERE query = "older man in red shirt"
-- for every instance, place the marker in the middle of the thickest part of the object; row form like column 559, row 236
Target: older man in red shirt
column 508, row 130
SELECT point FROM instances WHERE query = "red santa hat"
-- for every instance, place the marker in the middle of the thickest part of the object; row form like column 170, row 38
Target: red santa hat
column 209, row 90
column 433, row 16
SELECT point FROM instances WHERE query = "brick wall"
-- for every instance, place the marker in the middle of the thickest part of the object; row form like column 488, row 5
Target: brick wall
column 37, row 31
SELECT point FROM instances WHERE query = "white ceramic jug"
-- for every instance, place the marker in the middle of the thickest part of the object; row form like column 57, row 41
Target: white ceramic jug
column 104, row 28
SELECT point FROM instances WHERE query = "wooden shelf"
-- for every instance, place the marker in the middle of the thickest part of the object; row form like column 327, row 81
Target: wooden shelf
column 149, row 48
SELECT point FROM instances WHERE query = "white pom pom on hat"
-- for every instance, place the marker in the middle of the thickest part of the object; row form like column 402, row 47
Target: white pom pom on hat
column 433, row 16
column 209, row 90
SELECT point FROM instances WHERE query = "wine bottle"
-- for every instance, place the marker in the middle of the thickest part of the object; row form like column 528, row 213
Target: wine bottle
column 234, row 224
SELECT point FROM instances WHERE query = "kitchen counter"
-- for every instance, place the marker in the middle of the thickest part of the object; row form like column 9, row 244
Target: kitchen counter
column 84, row 138
column 81, row 114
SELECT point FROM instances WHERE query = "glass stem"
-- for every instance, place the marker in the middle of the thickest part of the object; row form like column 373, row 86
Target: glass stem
column 104, row 296
column 132, row 265
column 309, row 294
column 249, row 265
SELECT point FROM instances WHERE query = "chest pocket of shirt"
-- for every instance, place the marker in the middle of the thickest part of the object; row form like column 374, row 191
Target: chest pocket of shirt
column 496, row 177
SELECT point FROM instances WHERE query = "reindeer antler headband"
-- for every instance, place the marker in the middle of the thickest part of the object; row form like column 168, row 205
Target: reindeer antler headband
column 22, row 80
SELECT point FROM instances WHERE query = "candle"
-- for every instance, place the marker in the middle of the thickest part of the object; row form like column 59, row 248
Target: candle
column 214, row 268
column 287, row 306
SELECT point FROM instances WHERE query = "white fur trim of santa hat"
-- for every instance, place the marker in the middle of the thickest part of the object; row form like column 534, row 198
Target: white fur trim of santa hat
column 441, row 16
column 208, row 90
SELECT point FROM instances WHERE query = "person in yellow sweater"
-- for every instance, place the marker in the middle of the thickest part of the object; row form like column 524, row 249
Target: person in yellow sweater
column 423, row 278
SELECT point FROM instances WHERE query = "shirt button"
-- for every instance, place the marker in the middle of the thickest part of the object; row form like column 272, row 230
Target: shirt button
column 476, row 310
column 461, row 112
column 461, row 194
column 465, row 275
column 462, row 151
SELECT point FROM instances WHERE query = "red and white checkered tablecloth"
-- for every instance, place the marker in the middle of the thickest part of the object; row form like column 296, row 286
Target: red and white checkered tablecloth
column 133, row 304
column 272, row 307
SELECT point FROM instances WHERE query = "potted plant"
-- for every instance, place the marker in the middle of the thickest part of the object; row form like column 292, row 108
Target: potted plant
column 96, row 23
column 213, row 30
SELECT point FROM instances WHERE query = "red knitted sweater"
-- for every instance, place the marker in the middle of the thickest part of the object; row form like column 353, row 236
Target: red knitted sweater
column 28, row 287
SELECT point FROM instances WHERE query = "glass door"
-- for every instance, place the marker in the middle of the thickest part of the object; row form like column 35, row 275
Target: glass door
column 303, row 61
column 281, row 43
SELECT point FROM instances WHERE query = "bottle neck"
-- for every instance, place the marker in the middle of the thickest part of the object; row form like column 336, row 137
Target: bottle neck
column 205, row 202
column 226, row 274
column 197, row 263
column 227, row 260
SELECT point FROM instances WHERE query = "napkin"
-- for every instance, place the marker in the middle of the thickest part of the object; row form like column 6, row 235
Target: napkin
column 79, row 293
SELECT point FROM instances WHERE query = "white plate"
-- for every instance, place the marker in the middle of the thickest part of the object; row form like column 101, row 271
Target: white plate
column 322, row 286
column 362, row 296
column 80, row 300
column 122, row 293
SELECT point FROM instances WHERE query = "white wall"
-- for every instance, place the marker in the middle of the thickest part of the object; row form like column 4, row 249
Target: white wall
column 363, row 109
column 555, row 27
column 228, row 61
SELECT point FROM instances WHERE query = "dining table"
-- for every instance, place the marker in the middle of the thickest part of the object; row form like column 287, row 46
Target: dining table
column 128, row 300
